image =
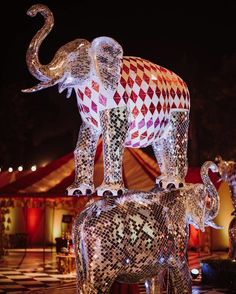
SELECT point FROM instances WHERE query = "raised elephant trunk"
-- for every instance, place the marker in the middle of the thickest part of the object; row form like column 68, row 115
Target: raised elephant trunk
column 212, row 211
column 48, row 74
column 38, row 70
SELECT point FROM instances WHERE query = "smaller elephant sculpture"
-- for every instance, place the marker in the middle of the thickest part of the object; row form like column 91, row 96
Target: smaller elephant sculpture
column 126, row 100
column 227, row 171
column 135, row 237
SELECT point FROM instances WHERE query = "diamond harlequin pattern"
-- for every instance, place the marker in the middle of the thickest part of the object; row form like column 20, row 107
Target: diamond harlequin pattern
column 149, row 91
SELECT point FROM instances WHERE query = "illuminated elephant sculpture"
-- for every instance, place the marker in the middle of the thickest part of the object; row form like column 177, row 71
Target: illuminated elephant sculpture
column 227, row 171
column 133, row 238
column 129, row 101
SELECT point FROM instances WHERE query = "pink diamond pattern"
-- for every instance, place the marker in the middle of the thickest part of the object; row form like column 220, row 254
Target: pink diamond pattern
column 137, row 144
column 143, row 135
column 159, row 79
column 87, row 92
column 157, row 122
column 135, row 112
column 159, row 107
column 94, row 106
column 150, row 136
column 179, row 94
column 134, row 96
column 134, row 135
column 147, row 66
column 81, row 94
column 132, row 125
column 138, row 80
column 150, row 123
column 102, row 100
column 150, row 92
column 163, row 93
column 117, row 98
column 152, row 108
column 144, row 109
column 139, row 66
column 85, row 109
column 141, row 123
column 95, row 86
column 172, row 93
column 93, row 120
column 158, row 92
column 125, row 97
column 146, row 78
column 125, row 69
column 123, row 82
column 142, row 94
column 130, row 82
column 133, row 68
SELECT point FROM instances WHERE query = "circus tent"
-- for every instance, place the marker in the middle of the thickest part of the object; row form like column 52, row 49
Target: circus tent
column 50, row 182
column 139, row 172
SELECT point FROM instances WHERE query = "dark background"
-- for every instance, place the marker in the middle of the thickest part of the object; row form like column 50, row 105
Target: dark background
column 195, row 41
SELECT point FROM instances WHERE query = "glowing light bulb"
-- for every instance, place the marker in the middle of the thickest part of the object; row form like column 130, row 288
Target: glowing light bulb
column 10, row 169
column 20, row 168
column 33, row 167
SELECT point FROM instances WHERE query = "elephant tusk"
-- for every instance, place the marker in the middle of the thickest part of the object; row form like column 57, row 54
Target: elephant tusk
column 213, row 225
column 69, row 91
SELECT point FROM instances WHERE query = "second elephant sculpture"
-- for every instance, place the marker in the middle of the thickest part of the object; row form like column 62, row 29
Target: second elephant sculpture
column 129, row 101
column 135, row 237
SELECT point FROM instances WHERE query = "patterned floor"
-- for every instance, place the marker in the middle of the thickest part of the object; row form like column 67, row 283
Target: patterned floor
column 36, row 272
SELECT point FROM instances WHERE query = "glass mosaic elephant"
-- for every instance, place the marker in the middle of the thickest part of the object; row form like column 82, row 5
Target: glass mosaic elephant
column 133, row 238
column 227, row 171
column 129, row 101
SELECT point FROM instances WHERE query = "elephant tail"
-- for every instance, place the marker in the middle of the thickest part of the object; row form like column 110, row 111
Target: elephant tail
column 212, row 209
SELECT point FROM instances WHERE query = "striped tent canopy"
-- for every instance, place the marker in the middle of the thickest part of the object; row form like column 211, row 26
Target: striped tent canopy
column 139, row 173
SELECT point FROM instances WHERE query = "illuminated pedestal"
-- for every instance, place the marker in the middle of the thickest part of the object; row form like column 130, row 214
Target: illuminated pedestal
column 219, row 272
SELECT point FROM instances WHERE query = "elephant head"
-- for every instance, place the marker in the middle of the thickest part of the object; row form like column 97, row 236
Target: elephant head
column 225, row 168
column 227, row 171
column 75, row 62
column 201, row 200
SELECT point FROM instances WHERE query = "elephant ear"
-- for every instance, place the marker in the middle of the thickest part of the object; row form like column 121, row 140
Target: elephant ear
column 107, row 55
column 196, row 206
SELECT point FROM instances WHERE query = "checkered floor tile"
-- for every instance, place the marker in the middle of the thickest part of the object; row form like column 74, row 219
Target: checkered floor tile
column 34, row 277
column 33, row 280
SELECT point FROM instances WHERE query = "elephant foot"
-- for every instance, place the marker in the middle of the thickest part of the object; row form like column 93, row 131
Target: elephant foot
column 169, row 183
column 77, row 189
column 111, row 190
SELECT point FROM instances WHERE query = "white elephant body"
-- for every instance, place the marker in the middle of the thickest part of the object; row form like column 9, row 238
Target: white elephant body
column 148, row 91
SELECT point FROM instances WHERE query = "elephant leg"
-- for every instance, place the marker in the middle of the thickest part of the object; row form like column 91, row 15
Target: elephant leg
column 84, row 155
column 171, row 151
column 153, row 286
column 114, row 123
column 180, row 277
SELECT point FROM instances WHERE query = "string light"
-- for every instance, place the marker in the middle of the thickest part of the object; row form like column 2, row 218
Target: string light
column 33, row 167
column 20, row 168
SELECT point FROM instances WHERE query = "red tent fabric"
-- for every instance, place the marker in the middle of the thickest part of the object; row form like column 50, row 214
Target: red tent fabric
column 139, row 171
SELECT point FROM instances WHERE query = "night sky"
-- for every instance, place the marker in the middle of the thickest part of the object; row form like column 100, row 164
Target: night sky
column 197, row 42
